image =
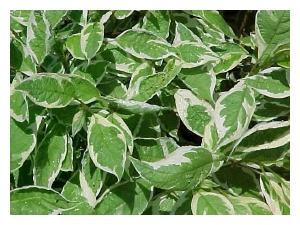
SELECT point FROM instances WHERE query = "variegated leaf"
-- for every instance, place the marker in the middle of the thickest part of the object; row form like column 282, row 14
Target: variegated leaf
column 106, row 145
column 182, row 169
column 194, row 113
column 233, row 113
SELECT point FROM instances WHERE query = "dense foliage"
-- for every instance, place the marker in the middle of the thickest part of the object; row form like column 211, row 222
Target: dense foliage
column 149, row 112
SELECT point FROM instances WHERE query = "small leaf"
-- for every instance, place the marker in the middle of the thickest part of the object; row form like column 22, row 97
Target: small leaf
column 182, row 169
column 183, row 33
column 67, row 164
column 106, row 145
column 35, row 200
column 78, row 121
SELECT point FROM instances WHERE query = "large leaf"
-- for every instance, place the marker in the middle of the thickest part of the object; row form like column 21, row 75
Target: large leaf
column 35, row 200
column 130, row 198
column 50, row 155
column 194, row 113
column 233, row 112
column 182, row 169
column 106, row 145
column 22, row 143
column 144, row 44
column 272, row 82
column 272, row 30
column 48, row 90
column 38, row 36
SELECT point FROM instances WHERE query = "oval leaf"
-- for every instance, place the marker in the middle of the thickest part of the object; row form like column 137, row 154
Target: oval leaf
column 182, row 169
column 106, row 145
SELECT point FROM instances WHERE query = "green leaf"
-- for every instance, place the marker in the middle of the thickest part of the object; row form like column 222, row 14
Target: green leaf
column 120, row 59
column 34, row 200
column 210, row 203
column 193, row 112
column 182, row 169
column 38, row 36
column 183, row 33
column 276, row 191
column 122, row 14
column 233, row 112
column 146, row 86
column 67, row 164
column 193, row 54
column 93, row 72
column 215, row 21
column 271, row 82
column 163, row 203
column 48, row 90
column 73, row 44
column 119, row 122
column 91, row 39
column 21, row 16
column 18, row 102
column 79, row 120
column 247, row 185
column 157, row 22
column 154, row 149
column 147, row 127
column 22, row 143
column 93, row 176
column 21, row 60
column 191, row 77
column 129, row 198
column 183, row 204
column 263, row 137
column 230, row 56
column 50, row 155
column 131, row 106
column 112, row 87
column 144, row 44
column 55, row 17
column 106, row 145
column 85, row 90
column 272, row 30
